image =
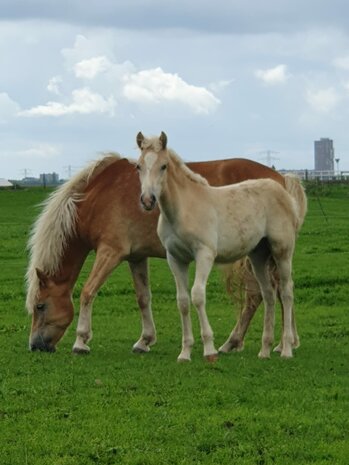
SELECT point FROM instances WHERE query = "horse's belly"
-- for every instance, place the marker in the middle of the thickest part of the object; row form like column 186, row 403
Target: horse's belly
column 234, row 246
column 179, row 249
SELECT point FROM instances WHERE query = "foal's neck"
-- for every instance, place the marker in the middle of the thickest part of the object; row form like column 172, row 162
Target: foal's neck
column 173, row 199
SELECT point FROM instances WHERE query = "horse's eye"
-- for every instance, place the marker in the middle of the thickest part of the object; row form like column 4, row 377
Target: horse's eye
column 40, row 307
column 163, row 167
column 138, row 167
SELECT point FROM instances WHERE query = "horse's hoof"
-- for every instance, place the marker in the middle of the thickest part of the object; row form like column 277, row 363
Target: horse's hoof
column 286, row 355
column 183, row 360
column 263, row 355
column 278, row 348
column 81, row 351
column 212, row 358
column 137, row 349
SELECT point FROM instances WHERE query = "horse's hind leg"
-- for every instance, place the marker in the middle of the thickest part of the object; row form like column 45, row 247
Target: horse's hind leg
column 139, row 272
column 259, row 260
column 253, row 298
column 286, row 294
column 296, row 340
column 107, row 258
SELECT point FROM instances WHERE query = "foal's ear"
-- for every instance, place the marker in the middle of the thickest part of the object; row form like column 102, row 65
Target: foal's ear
column 163, row 140
column 140, row 139
column 43, row 278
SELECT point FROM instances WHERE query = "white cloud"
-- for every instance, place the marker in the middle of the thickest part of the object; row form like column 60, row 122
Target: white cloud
column 8, row 107
column 271, row 76
column 342, row 62
column 220, row 85
column 38, row 151
column 53, row 85
column 323, row 100
column 89, row 68
column 154, row 86
column 84, row 101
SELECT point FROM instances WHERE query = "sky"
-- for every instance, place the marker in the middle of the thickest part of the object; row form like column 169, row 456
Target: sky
column 229, row 78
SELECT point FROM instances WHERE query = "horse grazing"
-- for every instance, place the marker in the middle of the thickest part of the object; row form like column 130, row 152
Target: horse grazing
column 206, row 224
column 98, row 209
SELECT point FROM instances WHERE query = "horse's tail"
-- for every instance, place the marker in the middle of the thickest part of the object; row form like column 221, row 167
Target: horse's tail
column 296, row 190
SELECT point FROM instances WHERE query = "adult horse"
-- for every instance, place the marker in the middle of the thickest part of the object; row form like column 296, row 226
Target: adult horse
column 98, row 209
column 205, row 224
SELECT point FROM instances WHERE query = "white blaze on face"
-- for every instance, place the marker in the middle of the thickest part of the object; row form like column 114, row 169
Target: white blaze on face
column 148, row 186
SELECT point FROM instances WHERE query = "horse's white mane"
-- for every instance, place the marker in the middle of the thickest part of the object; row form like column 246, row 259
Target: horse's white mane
column 154, row 143
column 56, row 225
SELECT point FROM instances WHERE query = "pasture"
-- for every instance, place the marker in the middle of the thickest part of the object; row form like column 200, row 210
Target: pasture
column 116, row 407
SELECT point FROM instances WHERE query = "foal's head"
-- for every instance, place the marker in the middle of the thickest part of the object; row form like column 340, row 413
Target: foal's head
column 152, row 168
column 52, row 312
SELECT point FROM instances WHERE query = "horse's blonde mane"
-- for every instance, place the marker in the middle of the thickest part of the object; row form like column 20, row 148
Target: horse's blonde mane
column 56, row 225
column 155, row 144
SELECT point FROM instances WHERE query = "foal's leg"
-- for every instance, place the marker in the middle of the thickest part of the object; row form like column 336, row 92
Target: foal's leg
column 204, row 262
column 260, row 267
column 139, row 272
column 180, row 273
column 296, row 340
column 107, row 258
column 286, row 295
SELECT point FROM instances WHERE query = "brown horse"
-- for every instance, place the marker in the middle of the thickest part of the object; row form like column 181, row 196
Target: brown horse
column 99, row 209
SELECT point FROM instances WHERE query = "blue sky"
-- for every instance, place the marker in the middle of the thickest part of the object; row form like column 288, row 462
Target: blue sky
column 222, row 79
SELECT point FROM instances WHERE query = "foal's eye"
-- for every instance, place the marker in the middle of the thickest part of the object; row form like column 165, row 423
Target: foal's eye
column 163, row 167
column 40, row 307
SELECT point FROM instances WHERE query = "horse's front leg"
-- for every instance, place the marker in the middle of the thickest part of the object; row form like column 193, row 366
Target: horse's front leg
column 106, row 260
column 140, row 277
column 180, row 273
column 204, row 262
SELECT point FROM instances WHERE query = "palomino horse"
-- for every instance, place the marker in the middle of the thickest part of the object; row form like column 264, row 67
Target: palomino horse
column 98, row 209
column 208, row 224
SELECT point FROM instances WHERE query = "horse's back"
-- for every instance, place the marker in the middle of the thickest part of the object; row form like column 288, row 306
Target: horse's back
column 234, row 170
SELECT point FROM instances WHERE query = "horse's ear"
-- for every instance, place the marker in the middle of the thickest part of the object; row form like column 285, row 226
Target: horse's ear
column 163, row 140
column 140, row 139
column 43, row 278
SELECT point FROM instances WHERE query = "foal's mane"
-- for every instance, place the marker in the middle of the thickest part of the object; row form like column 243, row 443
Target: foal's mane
column 56, row 225
column 155, row 144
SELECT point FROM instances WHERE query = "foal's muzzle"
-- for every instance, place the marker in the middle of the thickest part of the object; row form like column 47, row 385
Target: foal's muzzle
column 148, row 202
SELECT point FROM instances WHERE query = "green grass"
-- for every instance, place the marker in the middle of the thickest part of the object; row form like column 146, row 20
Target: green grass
column 115, row 407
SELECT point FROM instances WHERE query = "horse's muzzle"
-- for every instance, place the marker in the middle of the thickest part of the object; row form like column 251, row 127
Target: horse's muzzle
column 42, row 346
column 148, row 203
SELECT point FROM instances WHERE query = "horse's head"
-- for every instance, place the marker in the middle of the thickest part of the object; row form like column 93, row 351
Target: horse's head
column 52, row 312
column 152, row 167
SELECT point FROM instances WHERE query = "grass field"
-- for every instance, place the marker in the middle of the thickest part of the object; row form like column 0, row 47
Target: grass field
column 116, row 407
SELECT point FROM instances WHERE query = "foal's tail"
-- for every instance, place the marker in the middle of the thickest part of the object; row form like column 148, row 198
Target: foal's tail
column 295, row 188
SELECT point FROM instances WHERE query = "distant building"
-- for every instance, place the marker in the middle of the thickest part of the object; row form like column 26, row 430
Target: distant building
column 324, row 155
column 49, row 179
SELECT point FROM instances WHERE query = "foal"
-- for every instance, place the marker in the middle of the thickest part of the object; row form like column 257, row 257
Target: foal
column 207, row 224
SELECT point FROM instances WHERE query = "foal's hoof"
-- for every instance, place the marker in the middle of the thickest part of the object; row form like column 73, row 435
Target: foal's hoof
column 81, row 351
column 212, row 358
column 263, row 355
column 286, row 355
column 138, row 349
column 278, row 348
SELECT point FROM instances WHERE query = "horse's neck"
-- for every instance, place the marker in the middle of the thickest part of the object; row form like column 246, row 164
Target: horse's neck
column 73, row 258
column 175, row 193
